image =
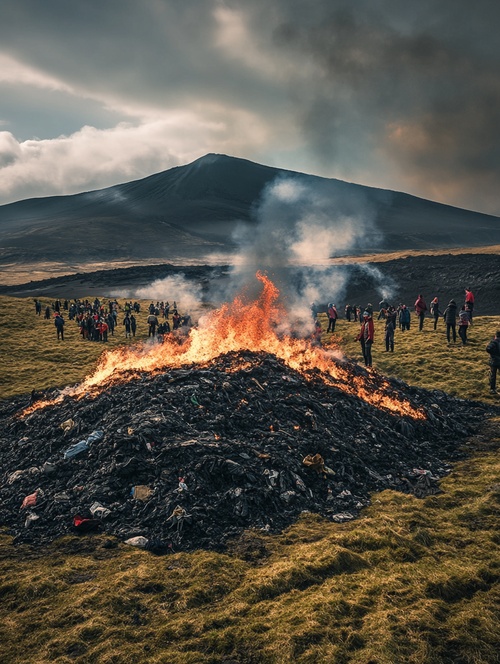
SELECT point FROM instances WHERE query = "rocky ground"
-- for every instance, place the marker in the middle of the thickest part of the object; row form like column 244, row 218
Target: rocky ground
column 444, row 275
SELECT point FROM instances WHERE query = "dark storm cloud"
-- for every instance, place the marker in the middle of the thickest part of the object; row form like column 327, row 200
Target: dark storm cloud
column 418, row 85
column 398, row 95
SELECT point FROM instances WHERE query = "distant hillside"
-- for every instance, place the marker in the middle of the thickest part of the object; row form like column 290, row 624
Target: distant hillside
column 191, row 211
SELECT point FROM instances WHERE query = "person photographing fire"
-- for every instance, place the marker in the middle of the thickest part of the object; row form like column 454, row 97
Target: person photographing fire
column 366, row 336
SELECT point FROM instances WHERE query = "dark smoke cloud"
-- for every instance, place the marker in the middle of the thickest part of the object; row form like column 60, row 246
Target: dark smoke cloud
column 399, row 95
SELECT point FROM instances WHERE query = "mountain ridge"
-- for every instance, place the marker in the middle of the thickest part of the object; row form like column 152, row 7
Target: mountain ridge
column 193, row 210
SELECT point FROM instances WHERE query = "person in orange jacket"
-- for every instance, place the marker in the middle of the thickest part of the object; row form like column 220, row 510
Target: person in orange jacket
column 366, row 336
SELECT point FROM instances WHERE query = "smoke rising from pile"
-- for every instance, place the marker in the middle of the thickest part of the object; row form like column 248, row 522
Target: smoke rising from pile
column 299, row 227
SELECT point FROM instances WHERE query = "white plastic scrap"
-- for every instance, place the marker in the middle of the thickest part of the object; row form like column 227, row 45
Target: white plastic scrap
column 139, row 541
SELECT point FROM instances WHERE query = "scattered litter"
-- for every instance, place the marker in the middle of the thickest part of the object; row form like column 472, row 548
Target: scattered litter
column 139, row 541
column 31, row 500
column 99, row 511
column 342, row 516
column 84, row 524
column 67, row 425
column 142, row 460
column 30, row 519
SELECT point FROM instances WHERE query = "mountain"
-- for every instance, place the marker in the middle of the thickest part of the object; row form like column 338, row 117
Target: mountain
column 190, row 212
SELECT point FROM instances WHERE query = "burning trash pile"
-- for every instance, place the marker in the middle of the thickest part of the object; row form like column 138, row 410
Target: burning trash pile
column 191, row 454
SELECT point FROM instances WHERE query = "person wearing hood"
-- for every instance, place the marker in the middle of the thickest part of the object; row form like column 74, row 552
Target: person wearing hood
column 420, row 309
column 366, row 336
column 332, row 317
column 450, row 318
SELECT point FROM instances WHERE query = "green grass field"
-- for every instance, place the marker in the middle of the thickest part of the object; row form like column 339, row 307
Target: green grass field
column 411, row 581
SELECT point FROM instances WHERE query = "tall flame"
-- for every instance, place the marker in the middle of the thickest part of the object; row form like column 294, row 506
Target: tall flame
column 241, row 325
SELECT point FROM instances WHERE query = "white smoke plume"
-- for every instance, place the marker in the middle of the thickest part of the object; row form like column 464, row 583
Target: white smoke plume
column 186, row 293
column 385, row 284
column 300, row 225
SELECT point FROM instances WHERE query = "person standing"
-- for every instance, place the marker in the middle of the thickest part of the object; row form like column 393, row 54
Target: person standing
column 366, row 336
column 127, row 324
column 348, row 312
column 450, row 318
column 59, row 323
column 389, row 334
column 420, row 309
column 103, row 329
column 153, row 323
column 133, row 324
column 435, row 313
column 493, row 349
column 176, row 320
column 110, row 319
column 463, row 323
column 332, row 317
column 469, row 301
column 404, row 318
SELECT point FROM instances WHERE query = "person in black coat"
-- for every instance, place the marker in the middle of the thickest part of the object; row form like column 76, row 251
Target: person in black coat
column 59, row 323
column 493, row 349
column 450, row 318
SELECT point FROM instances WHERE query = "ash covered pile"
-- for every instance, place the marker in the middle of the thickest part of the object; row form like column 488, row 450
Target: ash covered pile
column 191, row 457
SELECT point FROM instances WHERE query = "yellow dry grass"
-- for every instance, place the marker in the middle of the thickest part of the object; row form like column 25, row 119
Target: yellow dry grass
column 411, row 581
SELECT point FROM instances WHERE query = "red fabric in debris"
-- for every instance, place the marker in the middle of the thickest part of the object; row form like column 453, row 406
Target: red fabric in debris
column 29, row 501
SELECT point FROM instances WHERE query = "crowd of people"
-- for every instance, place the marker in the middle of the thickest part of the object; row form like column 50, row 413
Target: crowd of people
column 400, row 317
column 96, row 320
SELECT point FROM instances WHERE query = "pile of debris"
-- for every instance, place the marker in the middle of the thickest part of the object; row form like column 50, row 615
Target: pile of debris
column 192, row 457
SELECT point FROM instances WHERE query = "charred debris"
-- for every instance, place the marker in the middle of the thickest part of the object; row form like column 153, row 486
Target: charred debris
column 192, row 457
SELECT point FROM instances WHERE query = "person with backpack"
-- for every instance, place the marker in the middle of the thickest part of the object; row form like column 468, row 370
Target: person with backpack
column 493, row 349
column 450, row 318
column 332, row 317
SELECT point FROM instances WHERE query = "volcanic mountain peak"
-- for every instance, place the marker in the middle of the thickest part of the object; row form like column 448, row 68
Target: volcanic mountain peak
column 189, row 212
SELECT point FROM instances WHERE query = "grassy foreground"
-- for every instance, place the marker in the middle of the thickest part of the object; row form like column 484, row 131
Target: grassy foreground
column 412, row 581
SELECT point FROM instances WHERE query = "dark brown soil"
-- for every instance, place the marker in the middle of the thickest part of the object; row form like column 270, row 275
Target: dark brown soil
column 445, row 276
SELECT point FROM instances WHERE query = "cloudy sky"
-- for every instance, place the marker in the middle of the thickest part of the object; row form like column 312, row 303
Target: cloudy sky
column 399, row 95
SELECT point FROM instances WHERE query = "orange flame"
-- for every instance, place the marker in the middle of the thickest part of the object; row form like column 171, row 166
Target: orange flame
column 234, row 327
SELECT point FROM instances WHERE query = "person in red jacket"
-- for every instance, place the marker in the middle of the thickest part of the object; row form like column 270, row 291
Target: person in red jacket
column 420, row 309
column 365, row 338
column 103, row 329
column 469, row 302
column 332, row 318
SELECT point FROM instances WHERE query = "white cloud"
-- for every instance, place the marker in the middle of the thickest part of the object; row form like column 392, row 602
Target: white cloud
column 14, row 71
column 93, row 159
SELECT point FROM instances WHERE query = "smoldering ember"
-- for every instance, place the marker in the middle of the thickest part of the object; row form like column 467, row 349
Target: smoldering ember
column 173, row 453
